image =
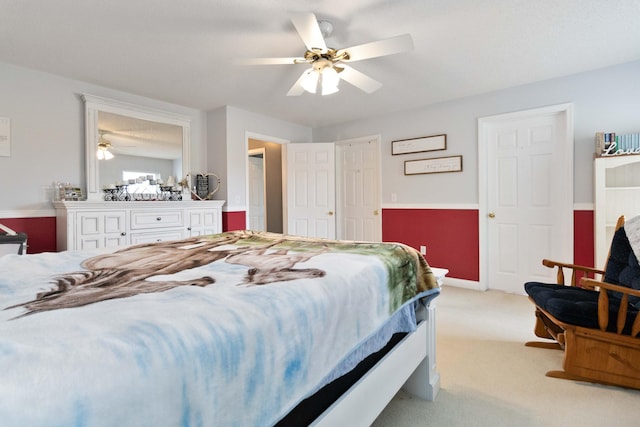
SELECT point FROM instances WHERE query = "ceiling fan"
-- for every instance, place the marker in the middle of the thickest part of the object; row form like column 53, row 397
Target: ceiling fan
column 328, row 65
column 133, row 143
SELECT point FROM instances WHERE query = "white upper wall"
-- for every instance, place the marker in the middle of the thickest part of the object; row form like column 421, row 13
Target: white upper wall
column 604, row 100
column 241, row 125
column 47, row 135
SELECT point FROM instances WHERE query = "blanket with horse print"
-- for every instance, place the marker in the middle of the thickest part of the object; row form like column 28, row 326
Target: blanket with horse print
column 231, row 329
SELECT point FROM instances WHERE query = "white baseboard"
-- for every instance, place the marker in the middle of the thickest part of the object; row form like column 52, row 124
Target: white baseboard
column 463, row 283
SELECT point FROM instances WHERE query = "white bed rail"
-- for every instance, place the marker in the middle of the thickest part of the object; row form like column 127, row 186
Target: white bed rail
column 411, row 365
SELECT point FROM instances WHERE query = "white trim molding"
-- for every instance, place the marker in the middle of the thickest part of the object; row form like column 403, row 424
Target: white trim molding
column 583, row 207
column 470, row 206
column 28, row 213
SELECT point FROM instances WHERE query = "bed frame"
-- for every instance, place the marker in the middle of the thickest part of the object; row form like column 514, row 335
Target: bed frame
column 410, row 365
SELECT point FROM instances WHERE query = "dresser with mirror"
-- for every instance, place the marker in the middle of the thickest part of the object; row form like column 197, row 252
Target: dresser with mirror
column 139, row 151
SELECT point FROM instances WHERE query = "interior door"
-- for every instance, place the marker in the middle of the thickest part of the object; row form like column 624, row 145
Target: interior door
column 257, row 199
column 529, row 198
column 358, row 192
column 311, row 190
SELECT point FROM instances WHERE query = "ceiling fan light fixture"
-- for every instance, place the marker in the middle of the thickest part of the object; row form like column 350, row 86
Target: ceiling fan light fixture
column 321, row 57
column 310, row 81
column 103, row 152
column 321, row 74
column 330, row 80
column 108, row 155
column 328, row 90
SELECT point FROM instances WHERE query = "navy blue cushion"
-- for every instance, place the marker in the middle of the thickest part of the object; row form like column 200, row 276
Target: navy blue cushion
column 579, row 306
column 576, row 306
column 622, row 268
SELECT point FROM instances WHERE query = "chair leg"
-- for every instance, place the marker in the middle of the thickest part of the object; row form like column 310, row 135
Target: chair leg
column 540, row 344
column 571, row 377
column 541, row 329
column 545, row 328
column 565, row 376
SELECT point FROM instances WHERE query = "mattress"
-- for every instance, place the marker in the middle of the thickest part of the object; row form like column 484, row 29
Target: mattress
column 232, row 329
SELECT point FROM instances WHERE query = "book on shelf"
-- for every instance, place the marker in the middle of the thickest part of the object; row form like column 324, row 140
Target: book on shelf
column 611, row 144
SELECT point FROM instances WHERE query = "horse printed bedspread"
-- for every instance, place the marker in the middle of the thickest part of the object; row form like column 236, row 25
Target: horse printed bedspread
column 232, row 329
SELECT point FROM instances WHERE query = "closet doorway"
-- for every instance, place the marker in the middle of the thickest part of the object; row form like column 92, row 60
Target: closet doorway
column 264, row 192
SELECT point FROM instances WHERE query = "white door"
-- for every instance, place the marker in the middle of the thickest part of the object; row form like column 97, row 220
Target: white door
column 529, row 196
column 311, row 190
column 257, row 200
column 358, row 190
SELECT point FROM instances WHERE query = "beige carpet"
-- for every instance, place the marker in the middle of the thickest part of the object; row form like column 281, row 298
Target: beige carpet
column 489, row 378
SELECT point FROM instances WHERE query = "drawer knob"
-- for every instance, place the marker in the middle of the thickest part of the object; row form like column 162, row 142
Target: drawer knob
column 158, row 219
column 189, row 228
column 123, row 234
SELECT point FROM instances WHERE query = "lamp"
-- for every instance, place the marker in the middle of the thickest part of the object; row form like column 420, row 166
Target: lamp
column 330, row 80
column 103, row 152
column 310, row 81
column 323, row 74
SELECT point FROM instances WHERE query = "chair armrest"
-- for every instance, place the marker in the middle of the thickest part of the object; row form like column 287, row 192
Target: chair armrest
column 603, row 304
column 598, row 284
column 586, row 271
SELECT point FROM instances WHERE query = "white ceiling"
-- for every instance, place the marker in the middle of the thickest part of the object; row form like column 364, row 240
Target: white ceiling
column 182, row 51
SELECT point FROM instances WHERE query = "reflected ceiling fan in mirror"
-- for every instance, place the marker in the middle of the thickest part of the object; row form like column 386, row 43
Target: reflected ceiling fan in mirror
column 328, row 65
column 103, row 152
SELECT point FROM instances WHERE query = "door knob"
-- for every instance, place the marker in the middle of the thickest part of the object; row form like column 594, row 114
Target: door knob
column 376, row 212
column 492, row 215
column 330, row 213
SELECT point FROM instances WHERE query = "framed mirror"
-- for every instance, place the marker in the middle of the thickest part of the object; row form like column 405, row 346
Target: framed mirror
column 123, row 140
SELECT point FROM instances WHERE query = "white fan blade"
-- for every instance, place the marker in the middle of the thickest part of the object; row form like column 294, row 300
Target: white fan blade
column 307, row 26
column 297, row 89
column 268, row 61
column 397, row 44
column 358, row 79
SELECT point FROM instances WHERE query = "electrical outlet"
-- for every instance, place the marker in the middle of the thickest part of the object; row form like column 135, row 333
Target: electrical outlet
column 423, row 250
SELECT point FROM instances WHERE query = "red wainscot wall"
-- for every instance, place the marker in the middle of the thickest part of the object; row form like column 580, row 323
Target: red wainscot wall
column 40, row 231
column 584, row 239
column 451, row 237
column 232, row 221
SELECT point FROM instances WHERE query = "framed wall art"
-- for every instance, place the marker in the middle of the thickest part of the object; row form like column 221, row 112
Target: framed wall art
column 419, row 145
column 435, row 165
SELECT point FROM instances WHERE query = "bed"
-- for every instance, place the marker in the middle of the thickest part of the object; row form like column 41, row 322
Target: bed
column 233, row 329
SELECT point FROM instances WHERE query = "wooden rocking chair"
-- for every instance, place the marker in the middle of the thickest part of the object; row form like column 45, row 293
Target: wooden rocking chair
column 595, row 322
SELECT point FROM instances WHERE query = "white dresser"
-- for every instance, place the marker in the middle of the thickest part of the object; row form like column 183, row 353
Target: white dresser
column 97, row 225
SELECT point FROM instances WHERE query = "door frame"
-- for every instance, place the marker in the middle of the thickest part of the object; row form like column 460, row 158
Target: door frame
column 484, row 126
column 261, row 137
column 283, row 142
column 257, row 152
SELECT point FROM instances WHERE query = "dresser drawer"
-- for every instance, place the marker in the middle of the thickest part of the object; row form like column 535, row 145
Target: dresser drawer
column 153, row 237
column 144, row 220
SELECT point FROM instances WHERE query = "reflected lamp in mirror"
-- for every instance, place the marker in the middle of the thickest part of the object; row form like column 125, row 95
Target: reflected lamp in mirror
column 103, row 152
